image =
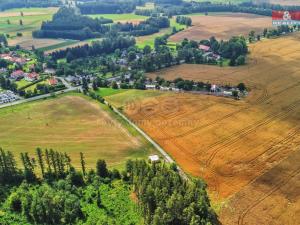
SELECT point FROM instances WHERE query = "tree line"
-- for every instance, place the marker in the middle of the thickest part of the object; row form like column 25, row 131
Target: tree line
column 106, row 7
column 149, row 26
column 184, row 20
column 181, row 8
column 106, row 46
column 61, row 194
column 67, row 24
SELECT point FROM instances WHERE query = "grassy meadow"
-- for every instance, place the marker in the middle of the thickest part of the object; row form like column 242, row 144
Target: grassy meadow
column 119, row 17
column 71, row 123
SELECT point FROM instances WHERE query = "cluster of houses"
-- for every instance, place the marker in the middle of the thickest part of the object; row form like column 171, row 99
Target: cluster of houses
column 8, row 96
column 20, row 74
column 15, row 58
column 214, row 89
column 77, row 79
column 208, row 54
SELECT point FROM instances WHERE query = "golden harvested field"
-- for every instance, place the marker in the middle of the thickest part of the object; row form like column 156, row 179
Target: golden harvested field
column 222, row 26
column 247, row 150
column 70, row 124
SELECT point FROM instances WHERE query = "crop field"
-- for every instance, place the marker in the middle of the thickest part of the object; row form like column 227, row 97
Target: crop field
column 245, row 150
column 222, row 26
column 70, row 124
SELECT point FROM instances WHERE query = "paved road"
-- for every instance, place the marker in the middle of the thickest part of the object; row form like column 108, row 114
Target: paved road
column 37, row 97
column 160, row 149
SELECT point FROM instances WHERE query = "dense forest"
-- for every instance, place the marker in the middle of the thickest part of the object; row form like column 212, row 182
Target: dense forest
column 105, row 46
column 69, row 25
column 49, row 190
column 105, row 7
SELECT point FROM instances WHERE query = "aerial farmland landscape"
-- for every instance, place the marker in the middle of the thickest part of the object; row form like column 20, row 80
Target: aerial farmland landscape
column 155, row 112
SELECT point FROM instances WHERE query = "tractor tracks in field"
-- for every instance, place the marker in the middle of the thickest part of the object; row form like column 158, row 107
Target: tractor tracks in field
column 275, row 188
column 235, row 137
column 262, row 99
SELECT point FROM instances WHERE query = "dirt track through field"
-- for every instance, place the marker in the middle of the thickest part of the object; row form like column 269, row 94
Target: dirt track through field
column 234, row 144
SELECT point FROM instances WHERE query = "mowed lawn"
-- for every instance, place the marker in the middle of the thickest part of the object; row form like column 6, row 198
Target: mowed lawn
column 71, row 124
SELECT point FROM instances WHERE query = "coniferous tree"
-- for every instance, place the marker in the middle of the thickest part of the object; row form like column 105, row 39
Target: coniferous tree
column 82, row 162
column 41, row 160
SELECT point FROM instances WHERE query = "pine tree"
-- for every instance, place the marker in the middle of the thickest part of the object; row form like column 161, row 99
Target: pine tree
column 99, row 203
column 41, row 160
column 82, row 161
column 102, row 169
column 48, row 161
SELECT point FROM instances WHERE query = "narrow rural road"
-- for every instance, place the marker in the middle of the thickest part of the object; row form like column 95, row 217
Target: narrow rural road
column 148, row 138
column 37, row 97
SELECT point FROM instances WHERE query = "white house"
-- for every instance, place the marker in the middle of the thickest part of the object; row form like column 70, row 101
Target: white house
column 154, row 158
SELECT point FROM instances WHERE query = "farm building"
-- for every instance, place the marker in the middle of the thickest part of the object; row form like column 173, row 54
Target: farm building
column 154, row 158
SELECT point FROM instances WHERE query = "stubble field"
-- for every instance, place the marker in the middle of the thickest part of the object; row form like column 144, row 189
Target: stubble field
column 222, row 26
column 246, row 150
column 70, row 124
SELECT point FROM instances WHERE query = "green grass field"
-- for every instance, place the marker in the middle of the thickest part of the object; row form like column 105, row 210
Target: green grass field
column 124, row 99
column 71, row 123
column 149, row 39
column 104, row 92
column 59, row 45
column 120, row 17
column 32, row 19
column 22, row 83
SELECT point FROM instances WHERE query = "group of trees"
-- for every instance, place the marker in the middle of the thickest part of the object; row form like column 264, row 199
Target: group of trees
column 149, row 26
column 64, row 195
column 185, row 20
column 182, row 8
column 67, row 24
column 7, row 84
column 105, row 7
column 106, row 46
column 166, row 198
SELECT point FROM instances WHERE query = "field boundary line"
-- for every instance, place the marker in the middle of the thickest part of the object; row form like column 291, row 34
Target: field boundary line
column 148, row 138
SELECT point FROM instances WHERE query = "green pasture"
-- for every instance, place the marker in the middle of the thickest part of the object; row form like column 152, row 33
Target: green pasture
column 120, row 17
column 109, row 91
column 71, row 123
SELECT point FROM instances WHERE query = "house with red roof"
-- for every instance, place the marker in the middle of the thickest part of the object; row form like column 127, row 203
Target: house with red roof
column 17, row 75
column 30, row 77
column 204, row 48
column 52, row 81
